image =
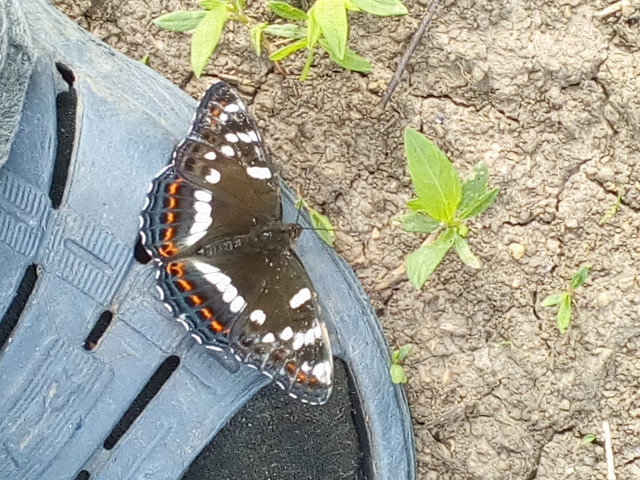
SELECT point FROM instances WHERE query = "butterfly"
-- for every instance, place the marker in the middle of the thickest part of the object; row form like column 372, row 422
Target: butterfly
column 226, row 268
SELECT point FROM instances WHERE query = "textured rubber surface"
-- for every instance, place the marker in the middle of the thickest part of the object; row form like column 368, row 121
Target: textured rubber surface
column 64, row 392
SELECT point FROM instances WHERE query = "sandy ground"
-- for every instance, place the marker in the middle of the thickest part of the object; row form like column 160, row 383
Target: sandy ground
column 546, row 93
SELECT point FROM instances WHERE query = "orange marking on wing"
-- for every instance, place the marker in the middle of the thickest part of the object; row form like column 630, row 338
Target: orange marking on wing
column 206, row 313
column 216, row 326
column 301, row 377
column 176, row 269
column 313, row 381
column 173, row 187
column 170, row 218
column 168, row 249
column 171, row 202
column 290, row 366
column 168, row 234
column 196, row 300
column 184, row 285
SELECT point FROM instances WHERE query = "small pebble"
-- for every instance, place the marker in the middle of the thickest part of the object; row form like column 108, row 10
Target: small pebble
column 516, row 250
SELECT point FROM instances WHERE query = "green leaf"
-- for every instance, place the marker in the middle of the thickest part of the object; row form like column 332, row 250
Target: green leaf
column 417, row 222
column 323, row 226
column 434, row 178
column 287, row 50
column 208, row 4
column 421, row 263
column 180, row 21
column 351, row 6
column 286, row 11
column 589, row 438
column 553, row 299
column 313, row 30
column 206, row 37
column 383, row 8
column 145, row 60
column 397, row 374
column 564, row 314
column 398, row 356
column 475, row 185
column 579, row 278
column 286, row 31
column 416, row 205
column 255, row 35
column 351, row 61
column 331, row 17
column 299, row 204
column 480, row 205
column 465, row 253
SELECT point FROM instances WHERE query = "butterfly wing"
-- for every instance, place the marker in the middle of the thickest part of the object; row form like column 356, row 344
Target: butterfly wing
column 281, row 333
column 232, row 283
column 261, row 303
column 219, row 184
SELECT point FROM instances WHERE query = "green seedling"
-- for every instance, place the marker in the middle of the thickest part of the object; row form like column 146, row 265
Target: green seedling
column 589, row 438
column 319, row 222
column 324, row 26
column 145, row 60
column 396, row 370
column 442, row 207
column 613, row 209
column 207, row 26
column 565, row 299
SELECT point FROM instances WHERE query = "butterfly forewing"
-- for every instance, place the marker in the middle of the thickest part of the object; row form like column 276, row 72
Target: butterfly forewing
column 226, row 268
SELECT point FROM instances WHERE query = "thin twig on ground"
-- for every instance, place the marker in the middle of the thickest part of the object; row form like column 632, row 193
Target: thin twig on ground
column 608, row 451
column 402, row 65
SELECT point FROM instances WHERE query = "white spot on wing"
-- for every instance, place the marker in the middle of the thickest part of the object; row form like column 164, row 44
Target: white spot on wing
column 213, row 177
column 261, row 173
column 237, row 304
column 205, row 267
column 309, row 337
column 227, row 150
column 300, row 298
column 286, row 334
column 202, row 207
column 253, row 135
column 231, row 137
column 257, row 316
column 210, row 155
column 195, row 236
column 268, row 338
column 202, row 216
column 230, row 293
column 298, row 341
column 197, row 338
column 202, row 196
column 232, row 108
column 244, row 137
column 322, row 372
column 216, row 278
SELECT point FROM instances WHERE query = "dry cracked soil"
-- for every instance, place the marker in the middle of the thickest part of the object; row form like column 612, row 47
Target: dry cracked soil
column 546, row 93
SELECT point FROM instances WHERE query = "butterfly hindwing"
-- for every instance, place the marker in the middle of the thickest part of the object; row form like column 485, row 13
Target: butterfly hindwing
column 281, row 333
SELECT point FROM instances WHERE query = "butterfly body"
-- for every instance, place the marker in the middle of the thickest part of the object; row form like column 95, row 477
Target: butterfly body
column 226, row 267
